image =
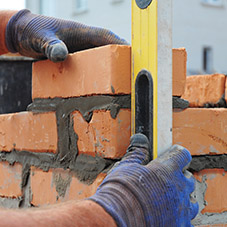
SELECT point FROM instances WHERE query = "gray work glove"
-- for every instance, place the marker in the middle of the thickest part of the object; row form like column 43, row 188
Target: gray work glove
column 142, row 193
column 42, row 37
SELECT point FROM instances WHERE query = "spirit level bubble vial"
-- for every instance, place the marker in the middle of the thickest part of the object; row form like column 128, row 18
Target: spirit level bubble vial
column 152, row 72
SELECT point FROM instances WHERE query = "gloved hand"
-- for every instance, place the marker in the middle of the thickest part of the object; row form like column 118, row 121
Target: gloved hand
column 41, row 37
column 139, row 193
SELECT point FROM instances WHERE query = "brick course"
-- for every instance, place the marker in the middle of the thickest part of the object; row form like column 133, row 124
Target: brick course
column 28, row 131
column 109, row 72
column 202, row 131
column 103, row 70
column 58, row 185
column 202, row 89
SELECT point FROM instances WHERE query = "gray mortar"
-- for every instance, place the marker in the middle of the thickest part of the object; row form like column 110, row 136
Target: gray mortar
column 67, row 138
column 199, row 163
column 220, row 104
column 83, row 104
column 61, row 183
column 27, row 194
column 207, row 218
column 85, row 167
column 179, row 103
column 10, row 202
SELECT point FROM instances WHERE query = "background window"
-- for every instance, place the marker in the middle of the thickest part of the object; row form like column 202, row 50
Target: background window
column 116, row 1
column 213, row 2
column 80, row 6
column 207, row 60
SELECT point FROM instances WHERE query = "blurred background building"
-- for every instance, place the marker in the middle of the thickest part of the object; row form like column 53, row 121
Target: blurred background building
column 198, row 25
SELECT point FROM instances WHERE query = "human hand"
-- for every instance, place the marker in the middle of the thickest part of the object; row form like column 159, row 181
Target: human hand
column 43, row 37
column 142, row 193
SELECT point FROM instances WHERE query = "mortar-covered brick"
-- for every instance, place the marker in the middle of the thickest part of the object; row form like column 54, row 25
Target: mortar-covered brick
column 179, row 71
column 215, row 193
column 58, row 185
column 103, row 70
column 202, row 131
column 103, row 135
column 10, row 180
column 202, row 89
column 28, row 131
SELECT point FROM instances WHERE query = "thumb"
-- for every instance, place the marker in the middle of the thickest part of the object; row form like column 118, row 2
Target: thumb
column 56, row 50
column 138, row 150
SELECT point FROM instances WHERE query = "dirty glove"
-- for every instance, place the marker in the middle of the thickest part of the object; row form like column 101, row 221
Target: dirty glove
column 142, row 193
column 42, row 37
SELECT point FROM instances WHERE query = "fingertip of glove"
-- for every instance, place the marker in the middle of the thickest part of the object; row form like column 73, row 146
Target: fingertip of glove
column 194, row 207
column 139, row 140
column 182, row 152
column 57, row 52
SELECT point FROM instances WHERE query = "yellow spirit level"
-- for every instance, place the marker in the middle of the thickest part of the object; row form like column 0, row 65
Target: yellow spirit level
column 151, row 59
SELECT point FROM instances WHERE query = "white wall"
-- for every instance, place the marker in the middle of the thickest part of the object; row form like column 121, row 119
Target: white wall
column 196, row 26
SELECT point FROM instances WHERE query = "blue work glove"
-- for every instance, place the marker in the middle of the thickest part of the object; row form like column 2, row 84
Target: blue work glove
column 42, row 37
column 142, row 193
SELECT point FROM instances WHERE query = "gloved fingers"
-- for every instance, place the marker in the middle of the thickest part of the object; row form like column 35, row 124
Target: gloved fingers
column 55, row 50
column 138, row 150
column 81, row 37
column 194, row 209
column 108, row 37
column 190, row 182
column 177, row 157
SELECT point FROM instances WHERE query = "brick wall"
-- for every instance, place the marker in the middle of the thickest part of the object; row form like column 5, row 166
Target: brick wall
column 202, row 128
column 78, row 125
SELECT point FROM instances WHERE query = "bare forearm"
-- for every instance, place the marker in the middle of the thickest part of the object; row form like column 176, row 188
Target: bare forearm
column 83, row 213
column 5, row 15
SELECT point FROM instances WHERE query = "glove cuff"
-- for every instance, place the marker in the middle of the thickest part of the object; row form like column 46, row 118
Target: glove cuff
column 121, row 203
column 12, row 33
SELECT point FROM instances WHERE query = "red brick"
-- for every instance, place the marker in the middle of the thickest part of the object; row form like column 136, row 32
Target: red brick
column 179, row 71
column 44, row 186
column 10, row 180
column 215, row 195
column 103, row 70
column 103, row 135
column 202, row 131
column 28, row 131
column 204, row 89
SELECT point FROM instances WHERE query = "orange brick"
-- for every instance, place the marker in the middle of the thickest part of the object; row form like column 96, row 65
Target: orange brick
column 59, row 185
column 204, row 89
column 10, row 180
column 226, row 90
column 103, row 70
column 179, row 71
column 202, row 131
column 216, row 181
column 103, row 135
column 28, row 131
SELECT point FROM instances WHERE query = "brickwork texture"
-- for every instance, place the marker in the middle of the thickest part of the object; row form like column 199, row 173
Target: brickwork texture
column 78, row 126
